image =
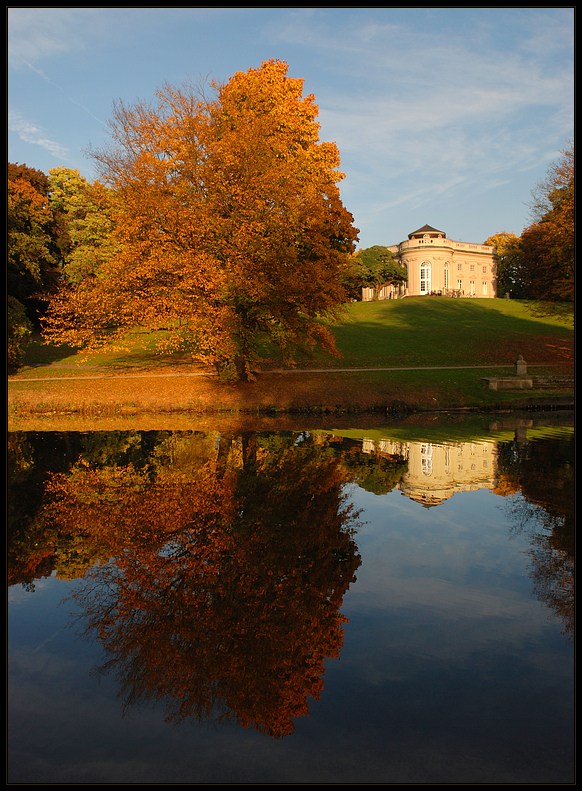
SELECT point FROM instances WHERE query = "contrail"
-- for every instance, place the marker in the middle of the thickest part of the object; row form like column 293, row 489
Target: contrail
column 58, row 87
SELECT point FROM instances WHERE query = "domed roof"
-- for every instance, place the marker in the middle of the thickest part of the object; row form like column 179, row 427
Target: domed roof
column 427, row 229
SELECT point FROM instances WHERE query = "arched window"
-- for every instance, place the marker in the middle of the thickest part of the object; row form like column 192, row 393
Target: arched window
column 425, row 277
column 426, row 459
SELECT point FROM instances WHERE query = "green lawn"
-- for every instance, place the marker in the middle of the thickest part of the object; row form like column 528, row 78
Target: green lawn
column 392, row 333
column 426, row 334
column 432, row 331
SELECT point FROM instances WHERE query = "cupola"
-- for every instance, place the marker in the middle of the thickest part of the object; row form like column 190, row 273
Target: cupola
column 427, row 232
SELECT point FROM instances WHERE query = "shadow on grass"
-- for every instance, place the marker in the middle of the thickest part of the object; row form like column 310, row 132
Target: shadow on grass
column 421, row 331
column 39, row 353
column 443, row 331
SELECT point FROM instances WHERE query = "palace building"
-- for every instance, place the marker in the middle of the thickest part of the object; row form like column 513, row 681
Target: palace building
column 439, row 266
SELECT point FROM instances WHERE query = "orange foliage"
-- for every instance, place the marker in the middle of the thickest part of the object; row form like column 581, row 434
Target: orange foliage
column 230, row 223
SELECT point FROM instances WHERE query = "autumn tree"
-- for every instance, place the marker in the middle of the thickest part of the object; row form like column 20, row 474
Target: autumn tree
column 32, row 255
column 31, row 250
column 546, row 248
column 507, row 247
column 229, row 221
column 36, row 178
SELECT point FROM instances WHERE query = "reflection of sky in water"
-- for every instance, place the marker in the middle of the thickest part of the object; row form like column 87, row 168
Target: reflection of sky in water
column 442, row 584
column 464, row 541
column 464, row 658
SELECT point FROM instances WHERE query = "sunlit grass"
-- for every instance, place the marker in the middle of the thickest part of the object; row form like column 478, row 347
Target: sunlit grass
column 426, row 331
column 392, row 333
column 428, row 345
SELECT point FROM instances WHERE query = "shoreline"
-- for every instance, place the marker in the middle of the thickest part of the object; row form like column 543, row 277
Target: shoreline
column 115, row 411
column 553, row 409
column 178, row 394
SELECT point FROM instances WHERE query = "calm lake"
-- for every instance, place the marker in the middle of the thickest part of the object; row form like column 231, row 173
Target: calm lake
column 366, row 603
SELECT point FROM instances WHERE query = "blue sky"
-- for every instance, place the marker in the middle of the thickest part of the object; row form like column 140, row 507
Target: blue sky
column 445, row 116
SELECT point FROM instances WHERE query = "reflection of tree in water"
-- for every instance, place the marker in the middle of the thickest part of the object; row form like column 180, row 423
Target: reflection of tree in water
column 224, row 596
column 35, row 547
column 543, row 471
column 30, row 546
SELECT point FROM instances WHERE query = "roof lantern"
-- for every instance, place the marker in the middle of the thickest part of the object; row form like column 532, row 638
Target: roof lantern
column 427, row 230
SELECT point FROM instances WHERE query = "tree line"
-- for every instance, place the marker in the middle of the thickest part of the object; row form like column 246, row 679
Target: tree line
column 60, row 230
column 539, row 264
column 217, row 224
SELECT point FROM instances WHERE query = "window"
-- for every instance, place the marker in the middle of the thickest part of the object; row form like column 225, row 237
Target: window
column 459, row 267
column 446, row 275
column 485, row 288
column 484, row 270
column 425, row 277
column 426, row 459
column 471, row 286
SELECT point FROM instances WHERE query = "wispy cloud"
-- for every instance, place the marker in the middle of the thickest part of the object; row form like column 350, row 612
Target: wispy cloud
column 437, row 107
column 31, row 132
column 408, row 79
column 428, row 106
column 35, row 34
column 67, row 95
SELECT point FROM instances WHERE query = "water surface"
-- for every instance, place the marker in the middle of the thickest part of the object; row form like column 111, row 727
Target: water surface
column 388, row 604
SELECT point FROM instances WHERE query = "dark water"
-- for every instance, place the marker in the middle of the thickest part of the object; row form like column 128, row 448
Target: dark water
column 391, row 604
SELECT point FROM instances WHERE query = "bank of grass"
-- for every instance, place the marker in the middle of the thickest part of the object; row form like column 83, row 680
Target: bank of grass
column 405, row 334
column 437, row 331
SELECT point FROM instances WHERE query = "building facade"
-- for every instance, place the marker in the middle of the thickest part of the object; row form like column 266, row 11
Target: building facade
column 435, row 472
column 439, row 266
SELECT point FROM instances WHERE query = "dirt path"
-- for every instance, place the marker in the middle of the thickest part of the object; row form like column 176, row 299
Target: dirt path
column 158, row 375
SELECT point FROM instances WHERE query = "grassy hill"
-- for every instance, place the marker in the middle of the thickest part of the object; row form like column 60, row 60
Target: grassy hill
column 417, row 336
column 427, row 331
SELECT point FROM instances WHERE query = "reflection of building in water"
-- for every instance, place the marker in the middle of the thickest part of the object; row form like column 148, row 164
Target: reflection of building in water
column 436, row 472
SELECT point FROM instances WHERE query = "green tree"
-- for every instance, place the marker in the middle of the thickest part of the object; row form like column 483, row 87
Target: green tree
column 86, row 217
column 376, row 267
column 229, row 221
column 18, row 332
column 507, row 246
